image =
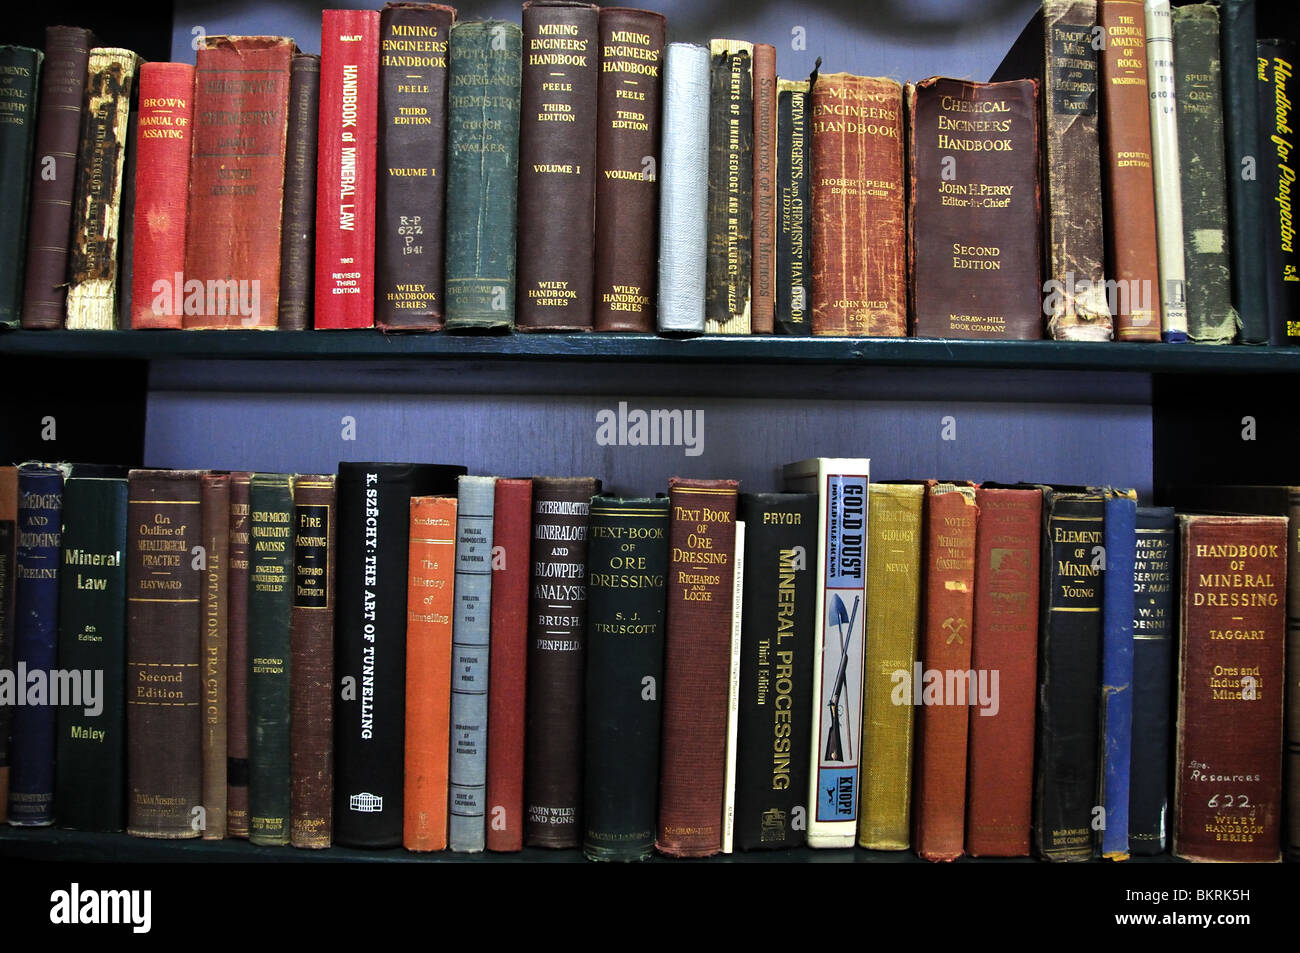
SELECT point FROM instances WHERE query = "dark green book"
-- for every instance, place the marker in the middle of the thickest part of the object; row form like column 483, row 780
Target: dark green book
column 90, row 758
column 20, row 70
column 270, row 608
column 794, row 208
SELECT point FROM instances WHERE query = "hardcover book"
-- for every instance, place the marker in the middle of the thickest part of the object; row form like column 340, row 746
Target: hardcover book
column 794, row 208
column 763, row 283
column 1165, row 167
column 237, row 658
column 214, row 490
column 729, row 272
column 733, row 693
column 298, row 228
column 1278, row 90
column 8, row 542
column 1116, row 728
column 20, row 70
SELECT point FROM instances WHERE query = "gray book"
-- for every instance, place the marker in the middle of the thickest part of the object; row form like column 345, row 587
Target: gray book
column 684, row 189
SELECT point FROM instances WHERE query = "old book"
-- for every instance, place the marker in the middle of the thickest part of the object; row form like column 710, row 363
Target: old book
column 859, row 282
column 411, row 170
column 684, row 190
column 1116, row 727
column 508, row 662
column 1228, row 768
column 702, row 537
column 8, row 616
column 627, row 566
column 164, row 695
column 237, row 657
column 728, row 289
column 429, row 612
column 1278, row 90
column 1000, row 764
column 20, row 70
column 482, row 170
column 557, row 165
column 270, row 662
column 627, row 168
column 557, row 630
column 162, row 191
column 214, row 492
column 1127, row 174
column 311, row 651
column 126, row 221
column 344, row 293
column 794, row 208
column 1197, row 82
column 1165, row 169
column 232, row 243
column 298, row 224
column 780, row 589
column 54, row 175
column 894, row 578
column 842, row 488
column 733, row 692
column 763, row 283
column 974, row 225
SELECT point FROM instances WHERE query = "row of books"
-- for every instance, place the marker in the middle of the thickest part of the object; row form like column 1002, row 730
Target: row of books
column 579, row 173
column 406, row 655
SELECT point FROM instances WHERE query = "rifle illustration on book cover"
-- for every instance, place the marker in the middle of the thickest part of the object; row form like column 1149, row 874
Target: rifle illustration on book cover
column 843, row 620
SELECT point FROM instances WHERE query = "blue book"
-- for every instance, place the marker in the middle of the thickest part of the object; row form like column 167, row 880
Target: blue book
column 1117, row 670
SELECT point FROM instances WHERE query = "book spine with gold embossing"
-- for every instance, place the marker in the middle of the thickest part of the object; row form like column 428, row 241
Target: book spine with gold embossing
column 1278, row 92
column 763, row 312
column 794, row 209
column 729, row 266
column 237, row 658
column 215, row 494
column 20, row 69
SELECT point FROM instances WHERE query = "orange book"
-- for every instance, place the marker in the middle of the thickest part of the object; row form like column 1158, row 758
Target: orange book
column 430, row 581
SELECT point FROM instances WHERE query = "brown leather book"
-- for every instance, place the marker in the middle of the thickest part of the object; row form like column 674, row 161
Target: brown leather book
column 975, row 224
column 859, row 284
column 762, row 315
column 215, row 489
column 298, row 229
column 697, row 660
column 1128, row 189
column 237, row 655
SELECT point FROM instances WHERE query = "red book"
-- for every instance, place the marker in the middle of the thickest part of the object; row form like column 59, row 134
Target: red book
column 232, row 238
column 345, row 170
column 508, row 664
column 162, row 191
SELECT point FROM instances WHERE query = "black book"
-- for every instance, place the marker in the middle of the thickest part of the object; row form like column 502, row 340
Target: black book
column 776, row 649
column 374, row 519
column 794, row 209
column 1277, row 94
column 627, row 566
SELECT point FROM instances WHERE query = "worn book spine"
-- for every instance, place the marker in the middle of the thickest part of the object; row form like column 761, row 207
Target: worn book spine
column 8, row 556
column 1278, row 90
column 697, row 651
column 793, row 210
column 1154, row 588
column 311, row 650
column 1116, row 727
column 627, row 567
column 126, row 221
column 237, row 657
column 1165, row 168
column 298, row 227
column 482, row 174
column 54, row 174
column 763, row 282
column 859, row 239
column 627, row 168
column 728, row 288
column 1000, row 765
column 1127, row 181
column 775, row 711
column 1228, row 767
column 164, row 696
column 430, row 584
column 974, row 235
column 557, row 166
column 733, row 692
column 557, row 629
column 684, row 190
column 20, row 70
column 214, row 489
column 91, row 746
column 411, row 171
column 347, row 128
column 1197, row 82
column 508, row 662
column 236, row 184
column 893, row 623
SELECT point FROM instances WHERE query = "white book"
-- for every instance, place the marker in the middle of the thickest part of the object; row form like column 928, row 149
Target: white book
column 733, row 696
column 1166, row 170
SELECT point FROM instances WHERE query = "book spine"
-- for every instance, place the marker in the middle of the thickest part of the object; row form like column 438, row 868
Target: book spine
column 1210, row 316
column 8, row 615
column 627, row 566
column 508, row 662
column 1154, row 586
column 164, row 722
column 733, row 692
column 1116, row 728
column 684, row 189
column 1278, row 89
column 859, row 283
column 1228, row 770
column 232, row 241
column 298, row 229
column 214, row 491
column 1291, row 769
column 697, row 651
column 311, row 690
column 482, row 173
column 344, row 295
column 430, row 607
column 126, row 222
column 20, row 70
column 411, row 171
column 557, row 629
column 1127, row 184
column 894, row 575
column 731, row 188
column 54, row 175
column 557, row 166
column 270, row 664
column 237, row 659
column 763, row 317
column 1165, row 168
column 794, row 209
